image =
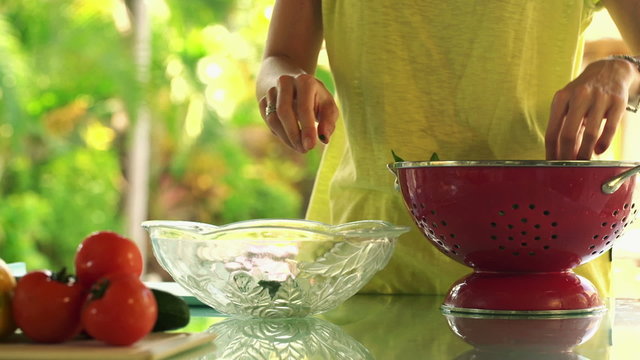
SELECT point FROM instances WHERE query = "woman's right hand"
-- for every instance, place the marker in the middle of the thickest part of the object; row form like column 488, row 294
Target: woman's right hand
column 292, row 108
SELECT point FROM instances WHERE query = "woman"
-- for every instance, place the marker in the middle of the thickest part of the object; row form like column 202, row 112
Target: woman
column 466, row 79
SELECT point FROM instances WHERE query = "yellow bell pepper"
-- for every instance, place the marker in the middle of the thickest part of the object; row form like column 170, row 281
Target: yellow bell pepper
column 7, row 285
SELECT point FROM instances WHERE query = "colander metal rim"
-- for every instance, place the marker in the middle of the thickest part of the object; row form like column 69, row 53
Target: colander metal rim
column 514, row 163
column 456, row 311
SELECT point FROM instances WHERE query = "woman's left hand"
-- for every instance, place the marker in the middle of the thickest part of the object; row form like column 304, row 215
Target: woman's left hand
column 586, row 113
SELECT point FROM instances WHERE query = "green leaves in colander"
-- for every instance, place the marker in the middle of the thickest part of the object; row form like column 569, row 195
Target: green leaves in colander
column 396, row 158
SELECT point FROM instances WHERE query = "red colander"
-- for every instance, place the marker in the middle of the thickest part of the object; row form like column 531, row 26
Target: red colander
column 507, row 337
column 522, row 226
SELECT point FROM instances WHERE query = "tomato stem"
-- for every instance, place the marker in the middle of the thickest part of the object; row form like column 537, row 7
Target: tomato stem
column 99, row 288
column 62, row 276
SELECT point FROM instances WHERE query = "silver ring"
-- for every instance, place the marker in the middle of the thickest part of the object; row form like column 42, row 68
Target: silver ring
column 270, row 109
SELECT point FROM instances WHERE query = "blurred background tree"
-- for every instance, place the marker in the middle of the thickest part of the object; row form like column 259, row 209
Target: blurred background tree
column 68, row 94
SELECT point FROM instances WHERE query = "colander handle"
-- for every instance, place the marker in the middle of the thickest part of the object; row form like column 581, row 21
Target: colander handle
column 612, row 185
column 394, row 171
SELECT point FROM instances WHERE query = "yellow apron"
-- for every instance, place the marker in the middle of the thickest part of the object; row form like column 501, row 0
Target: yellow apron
column 468, row 79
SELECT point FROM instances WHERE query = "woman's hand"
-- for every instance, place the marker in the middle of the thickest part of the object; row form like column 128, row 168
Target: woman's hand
column 586, row 113
column 292, row 108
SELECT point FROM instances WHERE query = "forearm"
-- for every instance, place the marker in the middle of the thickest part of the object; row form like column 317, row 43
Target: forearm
column 626, row 15
column 293, row 42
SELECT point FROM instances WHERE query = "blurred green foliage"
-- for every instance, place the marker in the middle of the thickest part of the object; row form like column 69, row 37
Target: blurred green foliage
column 67, row 94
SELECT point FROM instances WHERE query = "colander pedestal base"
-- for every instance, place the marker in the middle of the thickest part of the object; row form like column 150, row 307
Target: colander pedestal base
column 527, row 293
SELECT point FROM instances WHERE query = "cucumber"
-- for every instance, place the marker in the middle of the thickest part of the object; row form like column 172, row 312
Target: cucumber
column 173, row 312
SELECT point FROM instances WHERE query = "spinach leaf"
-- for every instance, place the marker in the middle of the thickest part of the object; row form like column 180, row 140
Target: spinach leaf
column 396, row 158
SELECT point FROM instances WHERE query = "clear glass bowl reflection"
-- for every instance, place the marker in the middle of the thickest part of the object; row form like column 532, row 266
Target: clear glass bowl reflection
column 273, row 267
column 305, row 338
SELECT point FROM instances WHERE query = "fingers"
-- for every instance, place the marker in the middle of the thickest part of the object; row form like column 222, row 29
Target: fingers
column 575, row 129
column 300, row 102
column 327, row 117
column 614, row 115
column 568, row 140
column 592, row 125
column 305, row 104
column 285, row 109
column 559, row 107
column 272, row 118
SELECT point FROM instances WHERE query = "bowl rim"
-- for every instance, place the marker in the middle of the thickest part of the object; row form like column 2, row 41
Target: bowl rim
column 347, row 230
column 513, row 163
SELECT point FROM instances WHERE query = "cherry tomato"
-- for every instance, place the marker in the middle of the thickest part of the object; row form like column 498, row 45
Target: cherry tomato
column 104, row 253
column 120, row 310
column 47, row 306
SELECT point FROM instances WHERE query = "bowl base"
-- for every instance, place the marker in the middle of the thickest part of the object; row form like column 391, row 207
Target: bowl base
column 561, row 293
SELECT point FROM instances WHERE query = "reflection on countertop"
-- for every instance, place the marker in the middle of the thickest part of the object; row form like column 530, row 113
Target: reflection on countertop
column 413, row 327
column 291, row 339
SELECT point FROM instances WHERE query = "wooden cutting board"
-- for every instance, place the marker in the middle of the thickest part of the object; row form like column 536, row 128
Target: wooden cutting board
column 154, row 346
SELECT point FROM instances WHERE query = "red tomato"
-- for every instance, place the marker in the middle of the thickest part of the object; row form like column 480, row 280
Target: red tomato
column 47, row 307
column 104, row 253
column 120, row 310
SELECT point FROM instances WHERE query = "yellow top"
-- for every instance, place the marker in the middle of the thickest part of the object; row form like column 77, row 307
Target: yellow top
column 468, row 79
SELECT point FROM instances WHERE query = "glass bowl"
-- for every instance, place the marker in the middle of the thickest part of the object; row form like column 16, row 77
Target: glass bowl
column 273, row 268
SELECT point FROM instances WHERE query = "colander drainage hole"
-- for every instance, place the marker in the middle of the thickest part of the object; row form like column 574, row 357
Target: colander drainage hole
column 595, row 236
column 444, row 223
column 615, row 213
column 554, row 236
column 524, row 244
column 592, row 247
column 606, row 237
column 493, row 237
column 531, row 253
column 537, row 226
column 554, row 224
column 510, row 226
column 524, row 220
column 453, row 236
column 607, row 243
column 515, row 206
column 456, row 246
column 501, row 213
column 536, row 238
column 523, row 233
column 546, row 247
column 546, row 213
column 532, row 206
column 501, row 247
column 493, row 224
column 613, row 226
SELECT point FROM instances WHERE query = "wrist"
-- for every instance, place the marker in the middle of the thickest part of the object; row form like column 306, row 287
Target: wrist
column 634, row 88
